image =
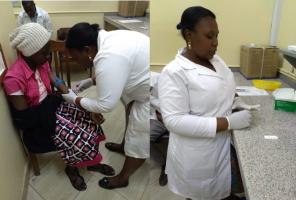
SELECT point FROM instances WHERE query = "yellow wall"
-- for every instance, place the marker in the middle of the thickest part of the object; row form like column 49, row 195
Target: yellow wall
column 240, row 22
column 68, row 13
column 287, row 32
column 12, row 158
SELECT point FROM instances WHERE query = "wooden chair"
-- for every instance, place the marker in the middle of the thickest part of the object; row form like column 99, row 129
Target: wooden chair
column 62, row 35
column 33, row 160
column 61, row 56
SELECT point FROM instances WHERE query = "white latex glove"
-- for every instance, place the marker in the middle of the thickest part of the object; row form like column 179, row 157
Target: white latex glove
column 240, row 104
column 70, row 97
column 239, row 120
column 84, row 84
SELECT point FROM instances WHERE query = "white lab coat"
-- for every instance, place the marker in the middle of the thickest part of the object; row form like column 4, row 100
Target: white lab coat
column 42, row 18
column 122, row 72
column 191, row 98
column 154, row 100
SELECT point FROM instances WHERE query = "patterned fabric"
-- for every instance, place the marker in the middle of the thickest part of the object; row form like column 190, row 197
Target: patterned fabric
column 77, row 137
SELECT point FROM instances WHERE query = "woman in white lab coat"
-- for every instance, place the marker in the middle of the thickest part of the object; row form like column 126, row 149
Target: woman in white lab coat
column 121, row 62
column 196, row 92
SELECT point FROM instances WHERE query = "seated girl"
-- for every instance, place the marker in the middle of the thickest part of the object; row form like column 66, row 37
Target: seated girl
column 48, row 122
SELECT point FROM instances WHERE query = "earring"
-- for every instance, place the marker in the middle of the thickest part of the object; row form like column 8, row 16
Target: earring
column 90, row 58
column 189, row 45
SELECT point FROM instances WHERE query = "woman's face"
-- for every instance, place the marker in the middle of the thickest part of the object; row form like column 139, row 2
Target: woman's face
column 81, row 57
column 42, row 56
column 204, row 38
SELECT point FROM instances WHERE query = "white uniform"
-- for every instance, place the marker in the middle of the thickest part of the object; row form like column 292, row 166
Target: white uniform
column 41, row 18
column 154, row 100
column 122, row 71
column 191, row 98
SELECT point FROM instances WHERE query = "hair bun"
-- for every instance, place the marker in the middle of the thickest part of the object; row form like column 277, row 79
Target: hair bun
column 95, row 27
column 179, row 26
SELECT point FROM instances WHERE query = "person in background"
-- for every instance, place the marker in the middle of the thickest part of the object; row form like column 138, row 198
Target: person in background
column 48, row 122
column 33, row 13
column 197, row 93
column 121, row 62
column 157, row 129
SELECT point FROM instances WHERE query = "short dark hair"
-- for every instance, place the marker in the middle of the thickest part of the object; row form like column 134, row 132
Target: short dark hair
column 191, row 16
column 27, row 1
column 81, row 35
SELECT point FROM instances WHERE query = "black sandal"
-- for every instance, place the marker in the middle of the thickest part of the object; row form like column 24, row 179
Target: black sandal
column 102, row 168
column 76, row 180
column 111, row 147
column 104, row 183
column 163, row 178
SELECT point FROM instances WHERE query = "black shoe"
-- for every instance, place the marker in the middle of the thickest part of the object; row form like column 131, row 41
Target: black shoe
column 104, row 183
column 163, row 178
column 102, row 168
column 114, row 147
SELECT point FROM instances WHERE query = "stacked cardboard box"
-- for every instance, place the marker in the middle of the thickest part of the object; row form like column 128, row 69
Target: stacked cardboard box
column 259, row 61
column 132, row 8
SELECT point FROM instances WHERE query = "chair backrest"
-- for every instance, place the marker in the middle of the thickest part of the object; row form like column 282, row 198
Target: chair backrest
column 61, row 55
column 62, row 33
column 57, row 48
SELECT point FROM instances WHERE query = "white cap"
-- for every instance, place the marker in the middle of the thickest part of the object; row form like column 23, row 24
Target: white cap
column 29, row 38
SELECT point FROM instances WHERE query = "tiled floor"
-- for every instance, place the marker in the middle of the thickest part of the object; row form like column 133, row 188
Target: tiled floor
column 53, row 184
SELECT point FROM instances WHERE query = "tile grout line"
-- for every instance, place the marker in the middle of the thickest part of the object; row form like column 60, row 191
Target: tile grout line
column 146, row 189
column 121, row 195
column 42, row 197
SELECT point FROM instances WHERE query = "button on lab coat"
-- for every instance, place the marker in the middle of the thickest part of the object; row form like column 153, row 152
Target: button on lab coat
column 191, row 98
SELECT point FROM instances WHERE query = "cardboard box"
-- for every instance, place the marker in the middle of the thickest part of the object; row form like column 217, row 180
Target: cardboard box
column 132, row 8
column 259, row 61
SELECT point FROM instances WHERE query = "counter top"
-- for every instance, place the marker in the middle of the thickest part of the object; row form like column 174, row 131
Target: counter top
column 268, row 167
column 289, row 52
column 290, row 56
column 142, row 27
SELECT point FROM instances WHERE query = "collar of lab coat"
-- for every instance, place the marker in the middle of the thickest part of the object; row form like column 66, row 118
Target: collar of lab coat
column 100, row 38
column 189, row 65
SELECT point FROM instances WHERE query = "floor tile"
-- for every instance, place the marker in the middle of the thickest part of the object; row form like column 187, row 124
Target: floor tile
column 53, row 184
column 95, row 192
column 138, row 183
column 32, row 194
column 155, row 191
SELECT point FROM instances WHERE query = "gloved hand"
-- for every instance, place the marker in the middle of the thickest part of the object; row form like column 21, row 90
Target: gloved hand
column 84, row 84
column 239, row 120
column 70, row 97
column 240, row 104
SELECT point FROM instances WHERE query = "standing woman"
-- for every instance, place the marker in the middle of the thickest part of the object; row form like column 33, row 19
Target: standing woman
column 196, row 92
column 121, row 62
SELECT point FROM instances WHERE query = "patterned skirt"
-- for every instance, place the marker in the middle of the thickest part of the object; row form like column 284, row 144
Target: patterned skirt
column 77, row 136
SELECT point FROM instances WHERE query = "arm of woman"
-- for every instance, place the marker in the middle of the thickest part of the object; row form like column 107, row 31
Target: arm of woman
column 174, row 105
column 18, row 102
column 111, row 76
column 57, row 83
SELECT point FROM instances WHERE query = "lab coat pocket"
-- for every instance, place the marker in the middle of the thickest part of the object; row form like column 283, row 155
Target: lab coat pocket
column 200, row 163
